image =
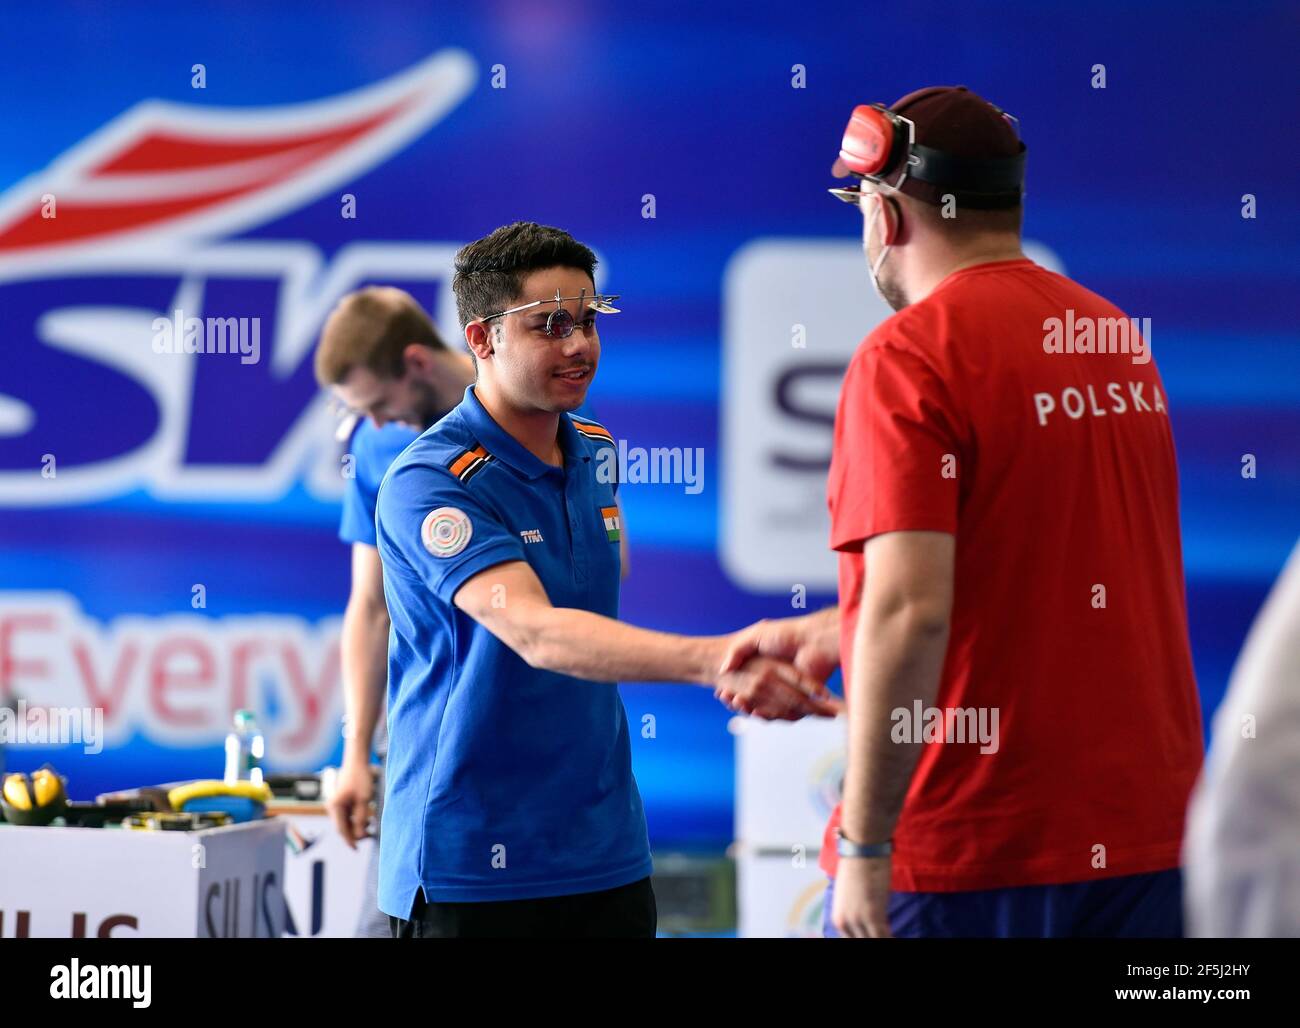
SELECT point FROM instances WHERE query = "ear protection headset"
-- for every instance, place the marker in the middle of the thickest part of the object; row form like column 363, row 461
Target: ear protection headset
column 880, row 143
column 35, row 799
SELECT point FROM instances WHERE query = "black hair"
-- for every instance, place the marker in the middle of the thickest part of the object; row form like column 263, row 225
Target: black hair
column 490, row 271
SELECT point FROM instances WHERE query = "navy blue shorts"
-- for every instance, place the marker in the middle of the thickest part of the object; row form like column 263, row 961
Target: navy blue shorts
column 1145, row 906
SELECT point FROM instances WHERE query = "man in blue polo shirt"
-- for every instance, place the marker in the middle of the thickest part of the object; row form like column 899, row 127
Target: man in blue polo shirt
column 511, row 809
column 391, row 376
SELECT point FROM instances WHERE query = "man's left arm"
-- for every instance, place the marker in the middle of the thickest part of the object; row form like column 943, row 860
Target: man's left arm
column 899, row 644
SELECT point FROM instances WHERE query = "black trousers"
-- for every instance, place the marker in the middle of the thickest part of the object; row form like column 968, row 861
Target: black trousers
column 627, row 912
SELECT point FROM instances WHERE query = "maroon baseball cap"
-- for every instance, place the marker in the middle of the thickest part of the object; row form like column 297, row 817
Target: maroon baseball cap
column 958, row 123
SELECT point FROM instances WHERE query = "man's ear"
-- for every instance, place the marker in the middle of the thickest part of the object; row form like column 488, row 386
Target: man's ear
column 891, row 220
column 417, row 356
column 478, row 337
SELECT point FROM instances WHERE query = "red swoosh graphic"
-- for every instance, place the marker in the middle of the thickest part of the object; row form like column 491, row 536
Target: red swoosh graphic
column 77, row 222
column 165, row 163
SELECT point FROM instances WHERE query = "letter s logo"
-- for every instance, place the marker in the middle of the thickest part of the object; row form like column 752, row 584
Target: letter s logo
column 85, row 411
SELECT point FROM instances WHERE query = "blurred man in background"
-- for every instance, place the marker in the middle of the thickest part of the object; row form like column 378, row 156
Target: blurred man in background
column 1024, row 723
column 391, row 376
column 1243, row 831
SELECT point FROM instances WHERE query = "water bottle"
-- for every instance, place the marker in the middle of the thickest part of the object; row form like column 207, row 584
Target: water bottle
column 245, row 748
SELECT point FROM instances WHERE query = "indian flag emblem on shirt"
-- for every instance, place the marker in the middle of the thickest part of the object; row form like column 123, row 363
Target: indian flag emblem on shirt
column 612, row 526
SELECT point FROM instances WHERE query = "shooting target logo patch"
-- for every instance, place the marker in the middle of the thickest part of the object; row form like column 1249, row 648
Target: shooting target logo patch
column 446, row 531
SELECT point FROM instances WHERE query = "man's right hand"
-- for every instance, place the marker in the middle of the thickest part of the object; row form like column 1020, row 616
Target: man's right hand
column 774, row 690
column 810, row 642
column 350, row 804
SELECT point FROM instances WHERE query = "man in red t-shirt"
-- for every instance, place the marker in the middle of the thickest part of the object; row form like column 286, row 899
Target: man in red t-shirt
column 1024, row 728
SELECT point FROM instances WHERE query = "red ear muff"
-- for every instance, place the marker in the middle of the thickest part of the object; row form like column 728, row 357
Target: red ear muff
column 869, row 141
column 879, row 145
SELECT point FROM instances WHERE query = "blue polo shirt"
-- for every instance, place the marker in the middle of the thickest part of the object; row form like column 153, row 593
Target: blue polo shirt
column 504, row 781
column 373, row 450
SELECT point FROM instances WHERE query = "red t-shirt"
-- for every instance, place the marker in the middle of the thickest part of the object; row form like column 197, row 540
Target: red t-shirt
column 1056, row 473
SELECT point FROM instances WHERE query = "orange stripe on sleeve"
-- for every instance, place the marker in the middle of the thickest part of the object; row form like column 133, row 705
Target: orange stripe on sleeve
column 466, row 459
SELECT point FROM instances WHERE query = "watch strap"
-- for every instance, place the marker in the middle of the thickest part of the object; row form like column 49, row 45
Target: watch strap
column 848, row 848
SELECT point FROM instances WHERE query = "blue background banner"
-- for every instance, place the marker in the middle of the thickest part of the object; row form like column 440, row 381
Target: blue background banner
column 176, row 472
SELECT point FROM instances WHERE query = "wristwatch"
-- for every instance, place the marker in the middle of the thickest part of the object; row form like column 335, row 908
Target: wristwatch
column 846, row 847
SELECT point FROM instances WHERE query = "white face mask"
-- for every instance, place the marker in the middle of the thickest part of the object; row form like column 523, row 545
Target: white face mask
column 874, row 269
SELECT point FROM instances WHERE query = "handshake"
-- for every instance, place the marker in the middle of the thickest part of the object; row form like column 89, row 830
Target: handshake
column 777, row 669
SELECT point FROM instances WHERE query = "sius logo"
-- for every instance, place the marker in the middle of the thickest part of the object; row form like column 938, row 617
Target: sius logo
column 141, row 208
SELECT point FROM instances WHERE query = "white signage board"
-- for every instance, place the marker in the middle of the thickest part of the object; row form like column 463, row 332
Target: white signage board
column 788, row 780
column 324, row 879
column 779, row 897
column 794, row 312
column 789, row 777
column 109, row 882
